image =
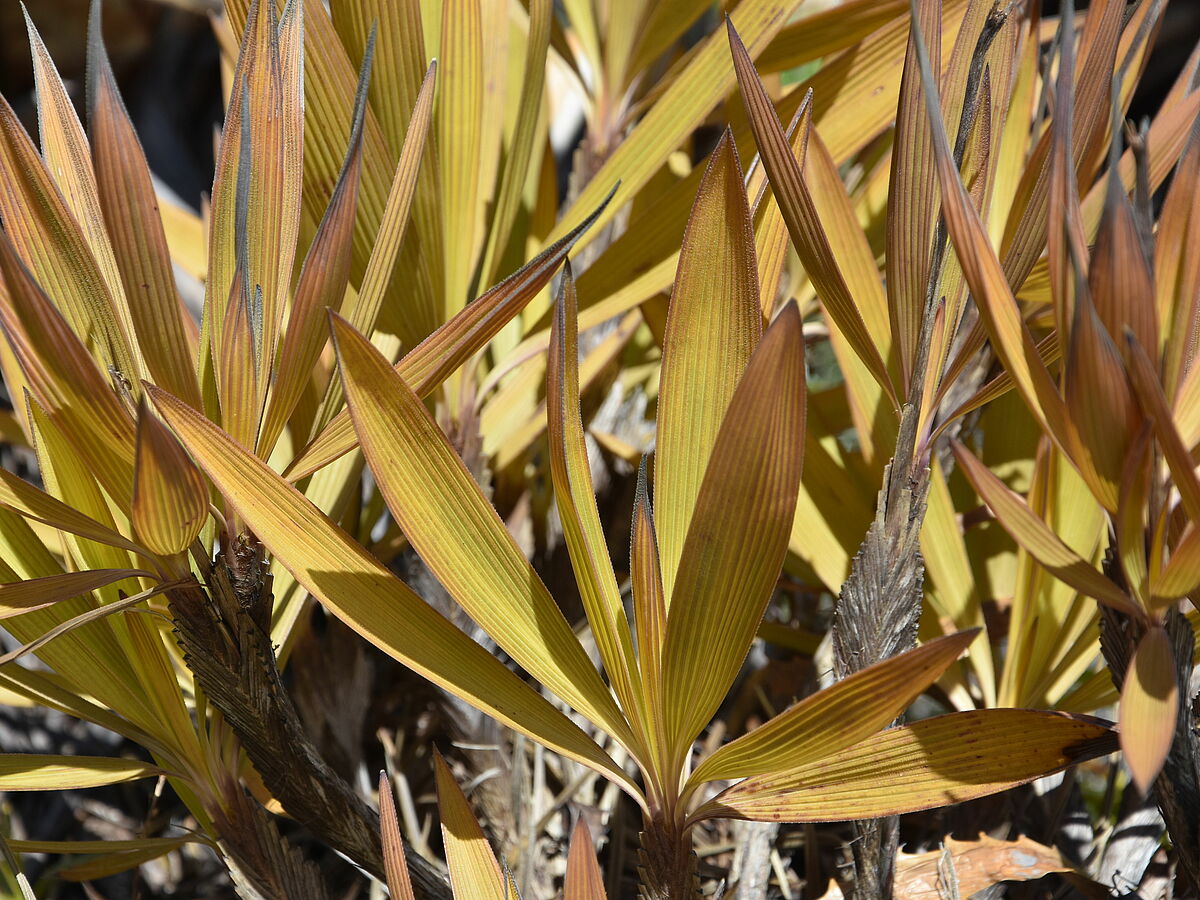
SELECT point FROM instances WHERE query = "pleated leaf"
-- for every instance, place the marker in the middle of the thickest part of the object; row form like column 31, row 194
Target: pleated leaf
column 139, row 243
column 170, row 496
column 458, row 534
column 576, row 501
column 738, row 534
column 984, row 275
column 474, row 871
column 837, row 717
column 322, row 282
column 64, row 378
column 394, row 864
column 800, row 214
column 429, row 363
column 1038, row 539
column 584, row 880
column 364, row 594
column 1149, row 705
column 65, row 150
column 713, row 326
column 931, row 763
column 39, row 772
column 36, row 593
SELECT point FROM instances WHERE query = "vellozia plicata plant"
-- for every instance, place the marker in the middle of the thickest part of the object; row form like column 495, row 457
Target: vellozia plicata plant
column 161, row 448
column 705, row 558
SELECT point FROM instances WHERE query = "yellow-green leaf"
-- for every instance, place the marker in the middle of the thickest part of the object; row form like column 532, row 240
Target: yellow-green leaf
column 429, row 363
column 1149, row 704
column 458, row 533
column 572, row 476
column 1029, row 531
column 931, row 763
column 364, row 594
column 40, row 772
column 738, row 534
column 713, row 325
column 474, row 871
column 170, row 497
column 837, row 717
column 135, row 227
column 800, row 214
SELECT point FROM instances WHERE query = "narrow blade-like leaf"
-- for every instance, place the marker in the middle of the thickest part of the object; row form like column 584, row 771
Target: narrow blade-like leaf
column 367, row 596
column 713, row 326
column 429, row 363
column 935, row 762
column 837, row 717
column 1149, row 704
column 458, row 534
column 739, row 532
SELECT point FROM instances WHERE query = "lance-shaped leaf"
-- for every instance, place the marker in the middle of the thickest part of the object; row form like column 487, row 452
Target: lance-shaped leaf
column 65, row 150
column 1149, row 705
column 458, row 534
column 1130, row 517
column 394, row 864
column 1119, row 275
column 22, row 497
column 1149, row 391
column 649, row 601
column 576, row 501
column 36, row 772
column 36, row 593
column 1030, row 532
column 771, row 239
column 739, row 532
column 584, row 880
column 837, row 717
column 912, row 199
column 800, row 214
column 1101, row 405
column 460, row 141
column 997, row 307
column 1181, row 575
column 429, row 363
column 273, row 115
column 365, row 595
column 131, row 214
column 713, row 326
column 170, row 496
column 706, row 80
column 931, row 763
column 474, row 871
column 322, row 283
column 47, row 237
column 63, row 377
column 529, row 105
column 362, row 310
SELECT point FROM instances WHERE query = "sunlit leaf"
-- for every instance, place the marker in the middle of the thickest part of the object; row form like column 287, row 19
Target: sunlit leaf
column 1149, row 703
column 843, row 714
column 1014, row 514
column 474, row 871
column 458, row 534
column 713, row 327
column 738, row 533
column 38, row 772
column 362, row 592
column 170, row 497
column 934, row 762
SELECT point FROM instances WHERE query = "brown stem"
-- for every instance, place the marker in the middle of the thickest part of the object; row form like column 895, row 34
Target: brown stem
column 666, row 862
